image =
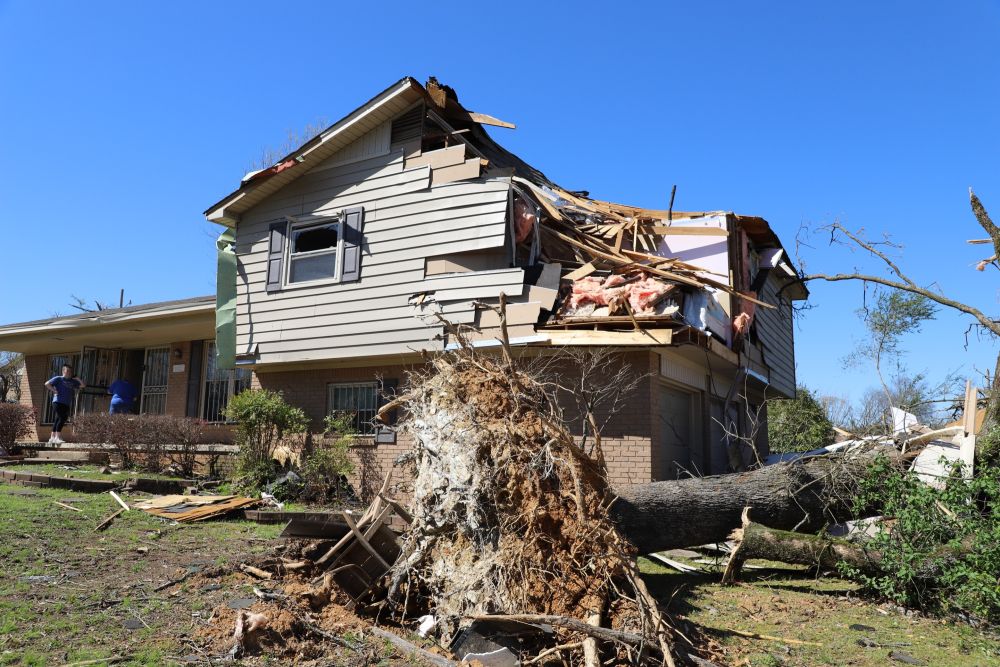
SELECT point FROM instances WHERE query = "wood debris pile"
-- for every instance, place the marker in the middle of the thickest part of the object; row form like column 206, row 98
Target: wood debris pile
column 510, row 519
column 624, row 273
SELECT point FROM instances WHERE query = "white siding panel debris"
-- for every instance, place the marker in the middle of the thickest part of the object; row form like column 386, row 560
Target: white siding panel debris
column 406, row 220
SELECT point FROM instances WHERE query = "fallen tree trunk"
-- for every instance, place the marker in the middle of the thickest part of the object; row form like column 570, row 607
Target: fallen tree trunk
column 803, row 495
column 756, row 541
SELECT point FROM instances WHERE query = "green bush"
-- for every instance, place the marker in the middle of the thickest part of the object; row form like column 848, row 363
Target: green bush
column 953, row 532
column 325, row 469
column 798, row 424
column 263, row 419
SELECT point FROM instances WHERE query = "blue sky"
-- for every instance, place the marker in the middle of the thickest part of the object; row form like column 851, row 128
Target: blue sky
column 121, row 122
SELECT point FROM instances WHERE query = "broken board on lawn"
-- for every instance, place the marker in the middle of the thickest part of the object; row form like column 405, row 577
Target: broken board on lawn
column 183, row 509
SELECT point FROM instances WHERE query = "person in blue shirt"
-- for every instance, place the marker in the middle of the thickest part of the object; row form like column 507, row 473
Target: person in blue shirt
column 63, row 388
column 123, row 395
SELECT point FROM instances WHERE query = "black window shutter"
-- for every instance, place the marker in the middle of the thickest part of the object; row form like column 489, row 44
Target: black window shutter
column 354, row 220
column 386, row 394
column 194, row 379
column 275, row 254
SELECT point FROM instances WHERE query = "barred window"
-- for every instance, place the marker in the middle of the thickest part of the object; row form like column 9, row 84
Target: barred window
column 359, row 399
column 220, row 385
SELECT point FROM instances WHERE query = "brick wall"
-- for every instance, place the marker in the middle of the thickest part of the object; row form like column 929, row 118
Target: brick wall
column 33, row 392
column 177, row 389
column 307, row 390
column 627, row 440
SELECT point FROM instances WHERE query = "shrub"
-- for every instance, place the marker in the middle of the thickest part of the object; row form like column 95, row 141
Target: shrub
column 326, row 467
column 797, row 425
column 16, row 422
column 953, row 532
column 262, row 419
column 186, row 435
column 145, row 441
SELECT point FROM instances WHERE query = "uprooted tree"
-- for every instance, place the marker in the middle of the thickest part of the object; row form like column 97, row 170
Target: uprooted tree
column 512, row 519
column 897, row 279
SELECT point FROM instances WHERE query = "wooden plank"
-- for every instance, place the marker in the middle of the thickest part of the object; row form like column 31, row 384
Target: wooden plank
column 69, row 507
column 363, row 539
column 650, row 337
column 120, row 501
column 682, row 231
column 486, row 119
column 582, row 272
column 107, row 522
column 969, row 409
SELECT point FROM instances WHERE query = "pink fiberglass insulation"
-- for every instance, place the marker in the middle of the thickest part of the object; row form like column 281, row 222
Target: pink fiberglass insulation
column 593, row 292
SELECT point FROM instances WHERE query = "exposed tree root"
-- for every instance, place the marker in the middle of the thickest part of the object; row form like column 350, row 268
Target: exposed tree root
column 510, row 517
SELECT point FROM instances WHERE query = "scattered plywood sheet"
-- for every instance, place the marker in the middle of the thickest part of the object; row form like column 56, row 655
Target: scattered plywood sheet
column 185, row 509
column 471, row 168
column 160, row 502
column 932, row 466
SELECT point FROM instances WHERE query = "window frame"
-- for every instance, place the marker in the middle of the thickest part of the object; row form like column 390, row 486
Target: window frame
column 299, row 225
column 374, row 385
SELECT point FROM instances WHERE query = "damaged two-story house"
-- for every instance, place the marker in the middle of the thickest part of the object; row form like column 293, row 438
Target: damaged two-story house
column 401, row 227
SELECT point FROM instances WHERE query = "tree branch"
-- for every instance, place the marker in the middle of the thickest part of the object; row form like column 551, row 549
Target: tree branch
column 870, row 247
column 982, row 318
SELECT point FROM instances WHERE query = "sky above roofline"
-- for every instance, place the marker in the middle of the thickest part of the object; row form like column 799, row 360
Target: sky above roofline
column 136, row 117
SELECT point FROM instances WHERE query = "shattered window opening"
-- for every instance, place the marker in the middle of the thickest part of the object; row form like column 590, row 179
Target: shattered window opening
column 314, row 251
column 359, row 399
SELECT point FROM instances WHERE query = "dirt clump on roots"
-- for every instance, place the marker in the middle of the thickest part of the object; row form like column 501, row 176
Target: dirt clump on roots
column 510, row 515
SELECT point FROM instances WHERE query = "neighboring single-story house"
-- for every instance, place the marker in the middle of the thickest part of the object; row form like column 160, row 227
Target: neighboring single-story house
column 164, row 349
column 398, row 230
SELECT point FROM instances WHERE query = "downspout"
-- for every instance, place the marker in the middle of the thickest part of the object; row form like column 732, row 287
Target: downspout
column 225, row 301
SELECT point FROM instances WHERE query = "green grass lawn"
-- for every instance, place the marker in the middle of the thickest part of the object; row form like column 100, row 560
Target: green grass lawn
column 69, row 594
column 83, row 470
column 788, row 602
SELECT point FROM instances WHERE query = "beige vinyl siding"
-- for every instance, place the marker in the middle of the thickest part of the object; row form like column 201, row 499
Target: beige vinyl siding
column 774, row 327
column 406, row 220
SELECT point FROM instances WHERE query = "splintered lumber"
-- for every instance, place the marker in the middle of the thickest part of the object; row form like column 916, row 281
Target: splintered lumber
column 107, row 522
column 69, row 507
column 255, row 571
column 120, row 501
column 582, row 272
column 183, row 509
column 409, row 648
column 802, row 495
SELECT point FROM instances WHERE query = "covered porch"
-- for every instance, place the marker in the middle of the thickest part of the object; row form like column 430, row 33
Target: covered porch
column 165, row 350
